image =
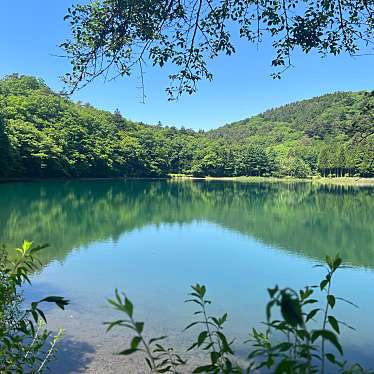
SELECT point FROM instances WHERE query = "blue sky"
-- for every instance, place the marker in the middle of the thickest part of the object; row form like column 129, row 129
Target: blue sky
column 30, row 32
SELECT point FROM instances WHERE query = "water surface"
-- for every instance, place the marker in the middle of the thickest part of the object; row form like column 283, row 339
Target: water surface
column 153, row 239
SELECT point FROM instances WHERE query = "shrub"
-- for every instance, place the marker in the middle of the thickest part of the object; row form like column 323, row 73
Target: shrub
column 26, row 346
column 291, row 343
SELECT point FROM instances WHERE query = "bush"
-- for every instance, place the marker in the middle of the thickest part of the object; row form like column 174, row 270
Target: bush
column 289, row 343
column 26, row 346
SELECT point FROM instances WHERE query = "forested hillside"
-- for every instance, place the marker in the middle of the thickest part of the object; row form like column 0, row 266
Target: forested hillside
column 44, row 134
column 328, row 135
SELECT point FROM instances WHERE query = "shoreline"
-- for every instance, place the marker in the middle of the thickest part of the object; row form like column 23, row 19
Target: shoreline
column 338, row 181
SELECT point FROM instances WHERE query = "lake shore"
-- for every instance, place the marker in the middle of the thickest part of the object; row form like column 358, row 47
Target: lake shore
column 339, row 181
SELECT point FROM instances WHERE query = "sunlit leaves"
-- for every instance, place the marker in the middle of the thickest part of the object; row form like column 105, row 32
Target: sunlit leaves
column 43, row 134
column 113, row 36
column 304, row 349
column 25, row 343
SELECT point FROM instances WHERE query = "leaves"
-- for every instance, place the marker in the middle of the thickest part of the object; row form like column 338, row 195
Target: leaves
column 331, row 300
column 44, row 134
column 193, row 33
column 302, row 349
column 201, row 338
column 312, row 314
column 328, row 335
column 291, row 309
column 296, row 353
column 25, row 343
column 334, row 324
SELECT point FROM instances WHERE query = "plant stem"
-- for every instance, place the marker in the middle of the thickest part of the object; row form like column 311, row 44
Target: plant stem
column 324, row 326
column 147, row 349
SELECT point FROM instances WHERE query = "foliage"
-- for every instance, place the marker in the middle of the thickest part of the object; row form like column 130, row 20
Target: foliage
column 43, row 134
column 25, row 344
column 158, row 358
column 292, row 342
column 299, row 351
column 116, row 36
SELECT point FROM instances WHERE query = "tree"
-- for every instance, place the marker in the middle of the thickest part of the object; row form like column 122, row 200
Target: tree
column 294, row 167
column 6, row 161
column 43, row 134
column 119, row 121
column 323, row 160
column 119, row 35
column 341, row 160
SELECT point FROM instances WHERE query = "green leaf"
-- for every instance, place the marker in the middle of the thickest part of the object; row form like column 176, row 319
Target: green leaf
column 214, row 357
column 284, row 367
column 129, row 308
column 165, row 370
column 337, row 262
column 312, row 314
column 330, row 357
column 291, row 309
column 201, row 338
column 204, row 369
column 139, row 326
column 225, row 345
column 334, row 323
column 58, row 300
column 328, row 335
column 323, row 284
column 135, row 342
column 191, row 325
column 331, row 300
column 41, row 313
column 127, row 352
column 120, row 322
column 273, row 291
column 149, row 363
column 157, row 339
column 192, row 347
column 329, row 262
column 200, row 290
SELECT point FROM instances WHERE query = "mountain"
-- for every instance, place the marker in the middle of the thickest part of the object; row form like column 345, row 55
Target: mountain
column 45, row 134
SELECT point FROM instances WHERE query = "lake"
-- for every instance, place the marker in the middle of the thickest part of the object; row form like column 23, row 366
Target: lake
column 153, row 239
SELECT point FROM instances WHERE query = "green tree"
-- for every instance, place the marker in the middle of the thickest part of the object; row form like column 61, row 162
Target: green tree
column 117, row 35
column 44, row 134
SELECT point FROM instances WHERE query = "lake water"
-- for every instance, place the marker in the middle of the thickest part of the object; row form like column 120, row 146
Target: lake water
column 153, row 239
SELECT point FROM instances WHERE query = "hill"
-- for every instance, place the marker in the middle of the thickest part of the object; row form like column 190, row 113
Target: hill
column 44, row 134
column 322, row 117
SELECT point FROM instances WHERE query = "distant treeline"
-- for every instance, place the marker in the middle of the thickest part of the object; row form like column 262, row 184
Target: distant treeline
column 44, row 134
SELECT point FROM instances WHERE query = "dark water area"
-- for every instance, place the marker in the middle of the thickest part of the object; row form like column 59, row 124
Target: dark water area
column 153, row 239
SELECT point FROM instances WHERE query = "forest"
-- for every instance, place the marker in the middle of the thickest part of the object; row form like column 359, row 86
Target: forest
column 44, row 134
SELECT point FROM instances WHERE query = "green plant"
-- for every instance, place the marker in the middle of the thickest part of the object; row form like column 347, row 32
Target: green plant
column 212, row 338
column 158, row 358
column 291, row 343
column 303, row 348
column 26, row 346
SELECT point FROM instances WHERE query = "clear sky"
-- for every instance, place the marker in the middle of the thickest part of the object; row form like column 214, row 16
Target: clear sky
column 31, row 30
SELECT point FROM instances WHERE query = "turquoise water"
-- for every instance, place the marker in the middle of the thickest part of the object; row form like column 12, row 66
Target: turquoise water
column 153, row 239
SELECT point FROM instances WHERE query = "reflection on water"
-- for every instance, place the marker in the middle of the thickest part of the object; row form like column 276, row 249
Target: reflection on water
column 154, row 239
column 309, row 220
